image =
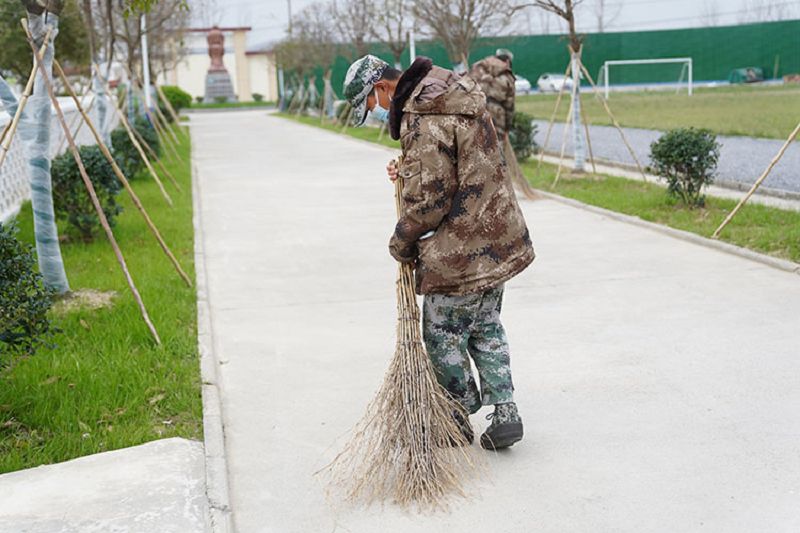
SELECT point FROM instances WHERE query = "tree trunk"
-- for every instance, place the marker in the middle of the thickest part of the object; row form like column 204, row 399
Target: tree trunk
column 578, row 137
column 35, row 133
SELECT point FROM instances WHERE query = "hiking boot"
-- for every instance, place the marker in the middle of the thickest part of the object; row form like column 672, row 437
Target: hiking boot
column 506, row 427
column 465, row 427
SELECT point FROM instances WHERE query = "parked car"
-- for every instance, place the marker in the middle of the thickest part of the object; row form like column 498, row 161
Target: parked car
column 522, row 85
column 553, row 82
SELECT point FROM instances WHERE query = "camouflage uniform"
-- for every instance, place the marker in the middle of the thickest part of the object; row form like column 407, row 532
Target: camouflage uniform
column 457, row 185
column 459, row 327
column 498, row 83
column 462, row 227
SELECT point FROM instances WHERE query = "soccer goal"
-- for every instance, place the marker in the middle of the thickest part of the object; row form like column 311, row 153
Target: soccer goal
column 686, row 71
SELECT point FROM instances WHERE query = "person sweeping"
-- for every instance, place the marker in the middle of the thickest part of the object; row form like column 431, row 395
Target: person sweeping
column 461, row 227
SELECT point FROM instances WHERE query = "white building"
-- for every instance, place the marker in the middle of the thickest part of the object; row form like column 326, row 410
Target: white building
column 252, row 70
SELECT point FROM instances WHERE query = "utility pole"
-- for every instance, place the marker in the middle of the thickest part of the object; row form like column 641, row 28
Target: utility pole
column 289, row 7
column 145, row 64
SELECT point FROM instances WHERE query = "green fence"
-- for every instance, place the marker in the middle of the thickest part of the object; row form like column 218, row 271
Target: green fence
column 772, row 46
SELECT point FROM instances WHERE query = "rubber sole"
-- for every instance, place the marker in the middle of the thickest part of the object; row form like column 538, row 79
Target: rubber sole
column 502, row 437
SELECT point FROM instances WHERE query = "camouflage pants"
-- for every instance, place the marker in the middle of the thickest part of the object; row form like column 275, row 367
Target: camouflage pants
column 456, row 328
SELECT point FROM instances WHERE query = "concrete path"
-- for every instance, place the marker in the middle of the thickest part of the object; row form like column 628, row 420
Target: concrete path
column 157, row 487
column 741, row 162
column 657, row 378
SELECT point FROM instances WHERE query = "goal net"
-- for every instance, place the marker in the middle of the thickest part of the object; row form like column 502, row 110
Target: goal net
column 648, row 73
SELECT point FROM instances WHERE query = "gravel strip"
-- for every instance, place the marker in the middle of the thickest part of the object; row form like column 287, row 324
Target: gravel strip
column 742, row 159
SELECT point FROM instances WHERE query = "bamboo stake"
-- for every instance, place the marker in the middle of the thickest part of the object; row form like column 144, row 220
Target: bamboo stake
column 102, row 144
column 165, row 124
column 162, row 136
column 347, row 120
column 138, row 137
column 77, row 120
column 8, row 133
column 563, row 145
column 89, row 186
column 156, row 120
column 588, row 139
column 170, row 109
column 155, row 157
column 759, row 181
column 614, row 120
column 121, row 176
column 553, row 118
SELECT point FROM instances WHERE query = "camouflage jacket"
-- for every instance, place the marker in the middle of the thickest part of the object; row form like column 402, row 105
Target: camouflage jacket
column 498, row 84
column 462, row 224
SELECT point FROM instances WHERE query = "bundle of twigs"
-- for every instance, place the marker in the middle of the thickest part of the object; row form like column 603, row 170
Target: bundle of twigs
column 408, row 447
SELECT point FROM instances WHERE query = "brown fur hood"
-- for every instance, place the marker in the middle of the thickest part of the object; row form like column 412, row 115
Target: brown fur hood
column 426, row 89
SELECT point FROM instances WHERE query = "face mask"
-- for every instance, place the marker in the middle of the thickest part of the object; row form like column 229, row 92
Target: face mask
column 380, row 114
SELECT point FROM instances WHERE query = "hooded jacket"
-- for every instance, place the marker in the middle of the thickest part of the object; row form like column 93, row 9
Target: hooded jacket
column 499, row 85
column 462, row 224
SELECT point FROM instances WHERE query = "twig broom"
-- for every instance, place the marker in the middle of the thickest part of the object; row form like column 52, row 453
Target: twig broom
column 408, row 447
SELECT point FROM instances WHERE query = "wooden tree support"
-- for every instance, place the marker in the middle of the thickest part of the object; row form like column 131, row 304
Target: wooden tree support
column 139, row 142
column 553, row 118
column 11, row 129
column 77, row 120
column 348, row 118
column 614, row 120
column 99, row 140
column 564, row 141
column 759, row 181
column 89, row 186
column 121, row 176
column 165, row 124
column 170, row 108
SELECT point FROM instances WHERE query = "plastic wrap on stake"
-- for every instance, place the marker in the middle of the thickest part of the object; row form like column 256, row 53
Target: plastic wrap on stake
column 34, row 131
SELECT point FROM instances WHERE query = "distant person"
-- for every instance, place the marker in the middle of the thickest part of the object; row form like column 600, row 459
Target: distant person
column 462, row 228
column 496, row 79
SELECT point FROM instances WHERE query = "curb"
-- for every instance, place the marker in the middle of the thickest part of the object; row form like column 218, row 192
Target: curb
column 774, row 262
column 220, row 519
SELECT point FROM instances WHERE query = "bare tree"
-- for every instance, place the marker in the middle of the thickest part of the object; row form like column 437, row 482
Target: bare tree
column 393, row 25
column 766, row 11
column 565, row 9
column 710, row 15
column 457, row 23
column 607, row 12
column 354, row 20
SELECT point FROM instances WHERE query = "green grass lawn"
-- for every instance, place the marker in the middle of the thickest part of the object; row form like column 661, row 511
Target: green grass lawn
column 764, row 229
column 770, row 112
column 226, row 105
column 105, row 385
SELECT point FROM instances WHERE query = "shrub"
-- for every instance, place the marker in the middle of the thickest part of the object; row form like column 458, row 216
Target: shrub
column 177, row 97
column 687, row 159
column 522, row 135
column 125, row 152
column 72, row 201
column 258, row 97
column 198, row 99
column 220, row 99
column 24, row 302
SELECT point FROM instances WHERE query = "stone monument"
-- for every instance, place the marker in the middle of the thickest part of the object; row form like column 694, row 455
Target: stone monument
column 218, row 81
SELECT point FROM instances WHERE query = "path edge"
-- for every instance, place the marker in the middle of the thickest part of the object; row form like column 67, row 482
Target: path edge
column 768, row 260
column 220, row 519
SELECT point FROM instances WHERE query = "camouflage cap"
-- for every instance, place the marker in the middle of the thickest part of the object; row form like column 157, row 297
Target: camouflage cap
column 358, row 84
column 504, row 52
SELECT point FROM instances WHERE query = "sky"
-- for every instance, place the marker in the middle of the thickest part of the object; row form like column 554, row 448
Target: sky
column 268, row 18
